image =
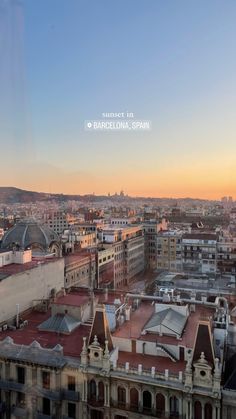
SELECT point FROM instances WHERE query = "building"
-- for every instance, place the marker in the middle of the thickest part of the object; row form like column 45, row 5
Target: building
column 79, row 237
column 60, row 365
column 57, row 221
column 151, row 230
column 105, row 267
column 29, row 233
column 169, row 256
column 24, row 280
column 128, row 245
column 80, row 270
column 199, row 252
column 226, row 253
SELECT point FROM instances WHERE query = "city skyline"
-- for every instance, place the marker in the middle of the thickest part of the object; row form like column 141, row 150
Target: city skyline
column 173, row 64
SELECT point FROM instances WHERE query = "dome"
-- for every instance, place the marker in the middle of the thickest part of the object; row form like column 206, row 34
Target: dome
column 29, row 233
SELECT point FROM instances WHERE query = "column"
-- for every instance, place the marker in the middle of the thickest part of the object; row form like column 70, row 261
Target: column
column 214, row 412
column 53, row 380
column 108, row 395
column 126, row 396
column 39, row 377
column 84, row 391
column 29, row 375
column 190, row 404
column 180, row 406
column 167, row 404
column 140, row 400
column 203, row 410
column 97, row 391
column 186, row 408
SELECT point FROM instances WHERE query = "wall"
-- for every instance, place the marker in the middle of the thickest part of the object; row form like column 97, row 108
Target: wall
column 24, row 287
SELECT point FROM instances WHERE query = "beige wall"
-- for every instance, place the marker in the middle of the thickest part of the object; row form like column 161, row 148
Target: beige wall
column 24, row 287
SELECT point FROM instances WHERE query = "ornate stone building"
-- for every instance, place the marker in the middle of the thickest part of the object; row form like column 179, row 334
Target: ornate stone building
column 65, row 367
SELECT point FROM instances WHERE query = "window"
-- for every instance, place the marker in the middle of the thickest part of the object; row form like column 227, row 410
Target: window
column 71, row 383
column 21, row 375
column 46, row 379
column 71, row 410
column 46, row 406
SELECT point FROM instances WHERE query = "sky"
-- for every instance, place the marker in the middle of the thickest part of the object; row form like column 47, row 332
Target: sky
column 171, row 62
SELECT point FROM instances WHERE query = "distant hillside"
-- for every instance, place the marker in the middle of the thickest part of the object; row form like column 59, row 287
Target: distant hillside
column 10, row 195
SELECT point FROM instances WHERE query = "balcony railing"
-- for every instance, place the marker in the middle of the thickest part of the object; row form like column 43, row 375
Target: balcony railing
column 146, row 410
column 70, row 395
column 11, row 385
column 157, row 375
column 93, row 401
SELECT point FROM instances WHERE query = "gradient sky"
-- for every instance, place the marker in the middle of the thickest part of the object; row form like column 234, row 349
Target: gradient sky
column 172, row 62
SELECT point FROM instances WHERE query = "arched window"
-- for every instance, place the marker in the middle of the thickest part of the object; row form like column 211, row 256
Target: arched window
column 160, row 404
column 174, row 406
column 101, row 391
column 92, row 389
column 147, row 400
column 197, row 410
column 208, row 411
column 134, row 399
column 121, row 395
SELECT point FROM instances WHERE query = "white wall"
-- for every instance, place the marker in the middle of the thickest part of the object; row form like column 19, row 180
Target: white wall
column 19, row 256
column 122, row 344
column 24, row 287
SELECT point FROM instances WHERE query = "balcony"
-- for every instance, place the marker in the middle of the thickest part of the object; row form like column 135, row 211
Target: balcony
column 146, row 410
column 70, row 395
column 92, row 401
column 8, row 385
column 19, row 411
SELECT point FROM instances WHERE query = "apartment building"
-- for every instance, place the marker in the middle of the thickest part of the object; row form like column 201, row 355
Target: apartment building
column 80, row 269
column 169, row 250
column 105, row 267
column 199, row 252
column 58, row 221
column 226, row 253
column 128, row 245
column 151, row 230
column 77, row 238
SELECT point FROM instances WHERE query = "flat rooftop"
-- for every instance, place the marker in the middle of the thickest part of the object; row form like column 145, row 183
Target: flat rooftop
column 160, row 363
column 15, row 268
column 133, row 329
column 72, row 344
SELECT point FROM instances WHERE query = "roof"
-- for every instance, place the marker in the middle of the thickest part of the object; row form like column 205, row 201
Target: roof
column 203, row 343
column 161, row 363
column 33, row 353
column 100, row 328
column 73, row 299
column 28, row 232
column 168, row 318
column 60, row 323
column 133, row 329
column 79, row 257
column 200, row 236
column 72, row 344
column 15, row 268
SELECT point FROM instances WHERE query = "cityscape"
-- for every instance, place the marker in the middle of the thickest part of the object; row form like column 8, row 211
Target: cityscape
column 117, row 209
